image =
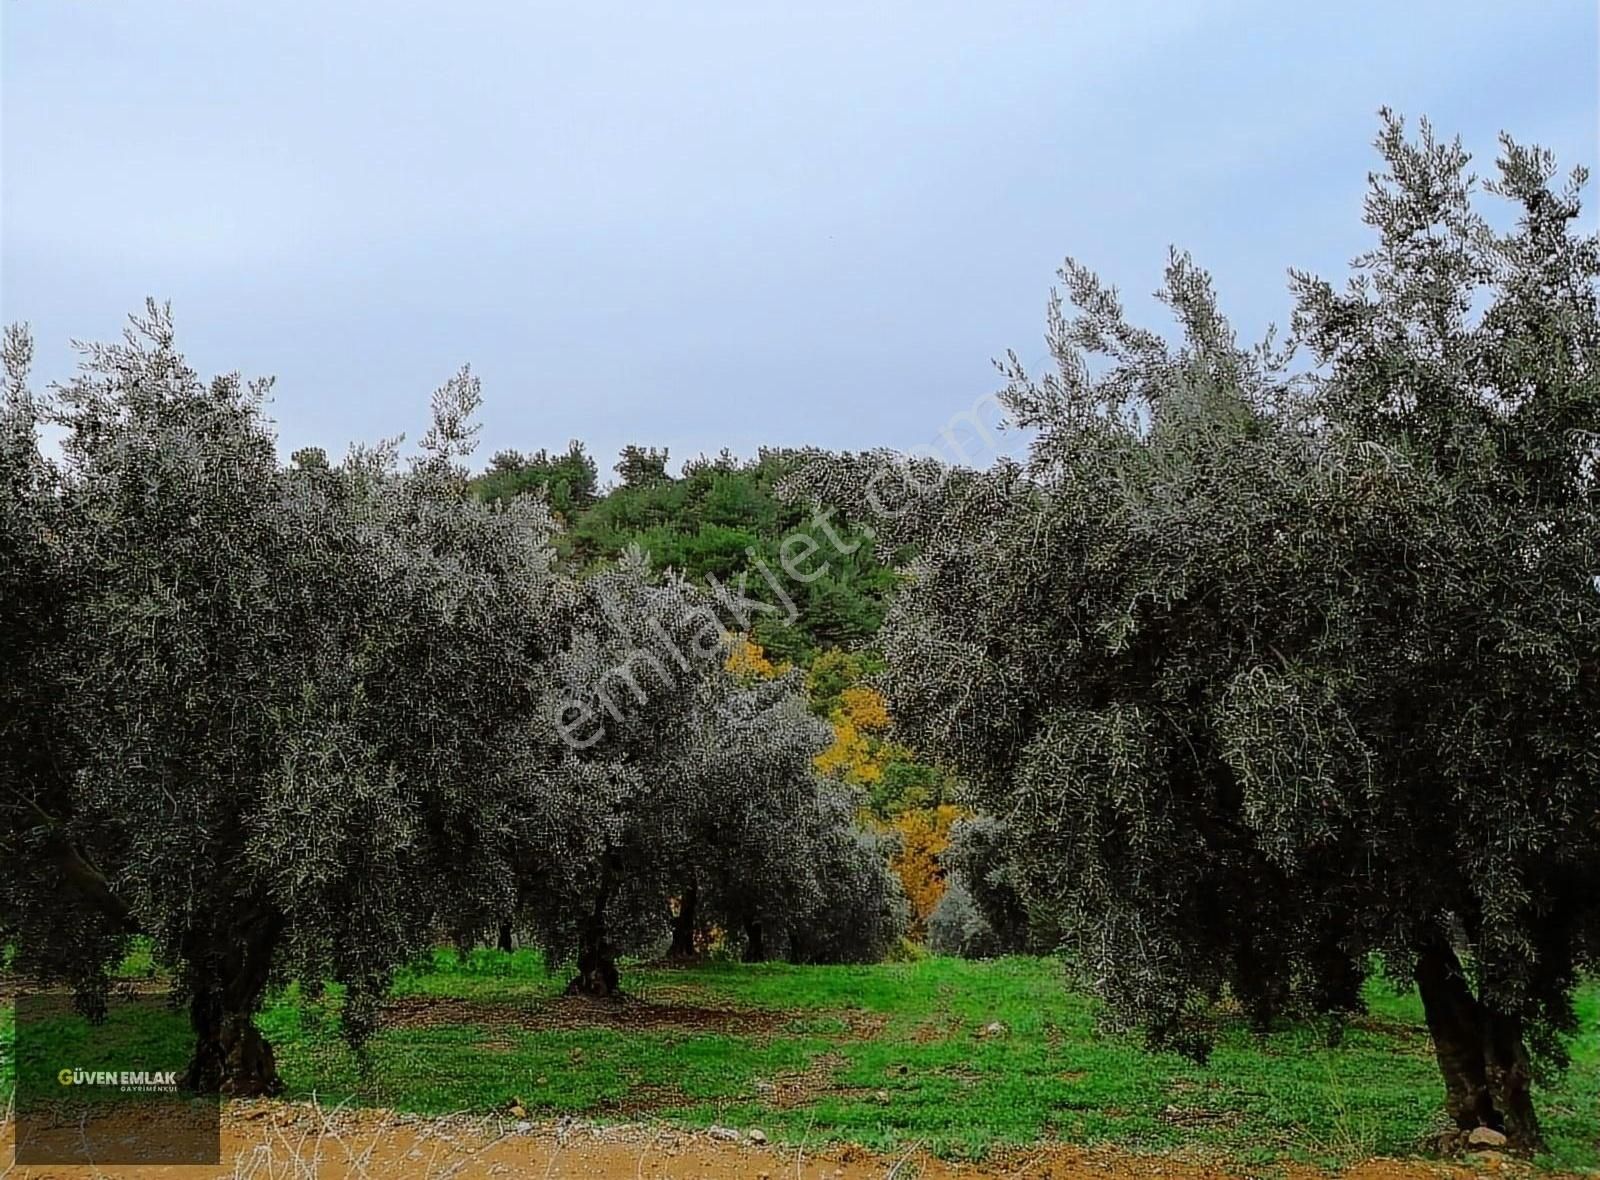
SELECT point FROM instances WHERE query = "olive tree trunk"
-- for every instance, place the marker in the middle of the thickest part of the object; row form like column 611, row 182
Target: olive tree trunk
column 597, row 957
column 1481, row 1053
column 228, row 978
column 683, row 924
column 755, row 943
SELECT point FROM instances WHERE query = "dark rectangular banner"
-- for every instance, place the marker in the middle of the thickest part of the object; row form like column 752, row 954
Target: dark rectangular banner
column 108, row 1093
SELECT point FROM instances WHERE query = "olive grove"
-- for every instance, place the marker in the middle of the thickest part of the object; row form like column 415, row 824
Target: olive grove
column 1267, row 670
column 1272, row 675
column 291, row 721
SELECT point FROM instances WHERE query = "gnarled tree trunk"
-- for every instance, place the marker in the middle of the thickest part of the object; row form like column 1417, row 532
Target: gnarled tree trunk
column 755, row 943
column 1487, row 1076
column 503, row 939
column 683, row 924
column 228, row 978
column 597, row 965
column 1510, row 1076
column 597, row 958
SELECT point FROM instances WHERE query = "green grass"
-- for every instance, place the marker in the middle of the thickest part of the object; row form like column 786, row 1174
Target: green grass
column 895, row 1056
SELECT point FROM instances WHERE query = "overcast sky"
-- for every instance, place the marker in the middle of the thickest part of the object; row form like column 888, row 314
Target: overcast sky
column 706, row 224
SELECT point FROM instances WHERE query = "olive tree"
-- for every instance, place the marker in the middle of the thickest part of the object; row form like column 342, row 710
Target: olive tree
column 981, row 913
column 56, row 908
column 746, row 852
column 674, row 781
column 286, row 695
column 956, row 926
column 1273, row 674
column 858, row 910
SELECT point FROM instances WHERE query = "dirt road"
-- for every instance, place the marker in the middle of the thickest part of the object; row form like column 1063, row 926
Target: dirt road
column 282, row 1141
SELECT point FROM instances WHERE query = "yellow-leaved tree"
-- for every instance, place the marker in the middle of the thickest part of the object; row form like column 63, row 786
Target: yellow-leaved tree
column 860, row 752
column 924, row 835
column 905, row 794
column 748, row 660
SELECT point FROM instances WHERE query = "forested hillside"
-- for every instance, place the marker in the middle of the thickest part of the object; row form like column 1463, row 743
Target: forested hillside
column 720, row 518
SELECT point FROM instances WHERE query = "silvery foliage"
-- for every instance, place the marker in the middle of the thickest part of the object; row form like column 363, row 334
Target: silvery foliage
column 1269, row 671
column 856, row 910
column 292, row 721
column 290, row 698
column 602, row 827
column 979, row 863
column 957, row 927
column 692, row 777
column 52, row 936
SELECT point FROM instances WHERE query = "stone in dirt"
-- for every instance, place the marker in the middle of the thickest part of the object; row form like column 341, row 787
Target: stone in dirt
column 1485, row 1137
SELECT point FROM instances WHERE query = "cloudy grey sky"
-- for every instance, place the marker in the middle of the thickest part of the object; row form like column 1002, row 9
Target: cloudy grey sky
column 705, row 224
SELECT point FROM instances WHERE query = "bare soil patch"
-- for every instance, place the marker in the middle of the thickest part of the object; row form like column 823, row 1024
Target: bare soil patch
column 1407, row 1038
column 1192, row 1117
column 944, row 1027
column 803, row 1087
column 580, row 1012
column 666, row 1010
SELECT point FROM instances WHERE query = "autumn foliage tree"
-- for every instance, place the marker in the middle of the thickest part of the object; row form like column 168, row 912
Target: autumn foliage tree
column 864, row 752
column 924, row 837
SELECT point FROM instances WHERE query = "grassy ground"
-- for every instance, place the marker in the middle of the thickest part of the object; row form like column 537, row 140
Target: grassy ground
column 883, row 1056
